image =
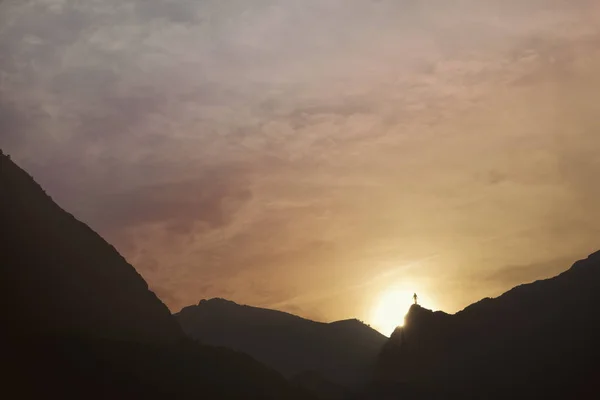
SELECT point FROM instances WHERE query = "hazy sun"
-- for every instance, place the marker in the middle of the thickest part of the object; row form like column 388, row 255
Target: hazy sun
column 391, row 307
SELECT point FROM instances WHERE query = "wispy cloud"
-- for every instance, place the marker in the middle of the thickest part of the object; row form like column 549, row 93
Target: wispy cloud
column 277, row 151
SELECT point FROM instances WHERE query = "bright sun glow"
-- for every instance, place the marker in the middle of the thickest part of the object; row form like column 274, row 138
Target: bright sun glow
column 391, row 307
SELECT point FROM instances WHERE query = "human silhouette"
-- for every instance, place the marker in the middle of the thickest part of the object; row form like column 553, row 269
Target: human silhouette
column 415, row 297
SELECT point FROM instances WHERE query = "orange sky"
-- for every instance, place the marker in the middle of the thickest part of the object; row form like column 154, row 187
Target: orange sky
column 309, row 156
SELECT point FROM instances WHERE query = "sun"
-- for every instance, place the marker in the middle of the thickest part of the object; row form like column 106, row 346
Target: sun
column 391, row 307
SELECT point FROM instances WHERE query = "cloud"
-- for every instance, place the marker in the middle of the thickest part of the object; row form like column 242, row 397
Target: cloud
column 277, row 150
column 213, row 198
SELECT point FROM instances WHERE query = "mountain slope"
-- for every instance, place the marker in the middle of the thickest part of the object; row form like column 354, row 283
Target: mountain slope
column 59, row 276
column 539, row 338
column 342, row 352
column 79, row 322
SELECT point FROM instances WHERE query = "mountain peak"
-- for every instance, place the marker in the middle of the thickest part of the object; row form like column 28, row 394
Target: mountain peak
column 417, row 309
column 217, row 301
column 350, row 321
column 417, row 313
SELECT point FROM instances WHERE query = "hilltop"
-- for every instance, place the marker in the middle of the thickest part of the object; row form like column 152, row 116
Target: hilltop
column 343, row 352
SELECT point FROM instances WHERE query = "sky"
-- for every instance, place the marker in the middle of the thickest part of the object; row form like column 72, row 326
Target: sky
column 314, row 156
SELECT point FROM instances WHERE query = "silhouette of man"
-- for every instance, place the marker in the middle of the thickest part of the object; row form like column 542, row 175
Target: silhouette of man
column 415, row 297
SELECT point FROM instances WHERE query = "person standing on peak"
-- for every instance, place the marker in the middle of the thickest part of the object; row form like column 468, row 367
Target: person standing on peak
column 415, row 298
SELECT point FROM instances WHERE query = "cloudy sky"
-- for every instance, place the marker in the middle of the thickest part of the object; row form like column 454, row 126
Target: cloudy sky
column 310, row 155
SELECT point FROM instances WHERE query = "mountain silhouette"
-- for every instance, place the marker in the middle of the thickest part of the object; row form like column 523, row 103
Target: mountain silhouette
column 64, row 277
column 342, row 352
column 535, row 340
column 319, row 386
column 79, row 322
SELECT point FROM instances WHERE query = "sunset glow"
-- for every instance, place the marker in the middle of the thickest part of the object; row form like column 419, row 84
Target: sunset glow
column 287, row 154
column 391, row 308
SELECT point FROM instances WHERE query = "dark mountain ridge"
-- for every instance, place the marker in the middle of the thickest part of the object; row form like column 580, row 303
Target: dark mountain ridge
column 59, row 276
column 343, row 352
column 80, row 322
column 539, row 338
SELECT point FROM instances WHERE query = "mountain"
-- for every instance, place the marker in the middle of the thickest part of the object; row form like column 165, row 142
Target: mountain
column 539, row 339
column 59, row 276
column 342, row 352
column 79, row 322
column 319, row 386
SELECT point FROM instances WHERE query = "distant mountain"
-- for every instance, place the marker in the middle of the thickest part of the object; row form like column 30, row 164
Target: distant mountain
column 319, row 386
column 342, row 352
column 79, row 322
column 539, row 339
